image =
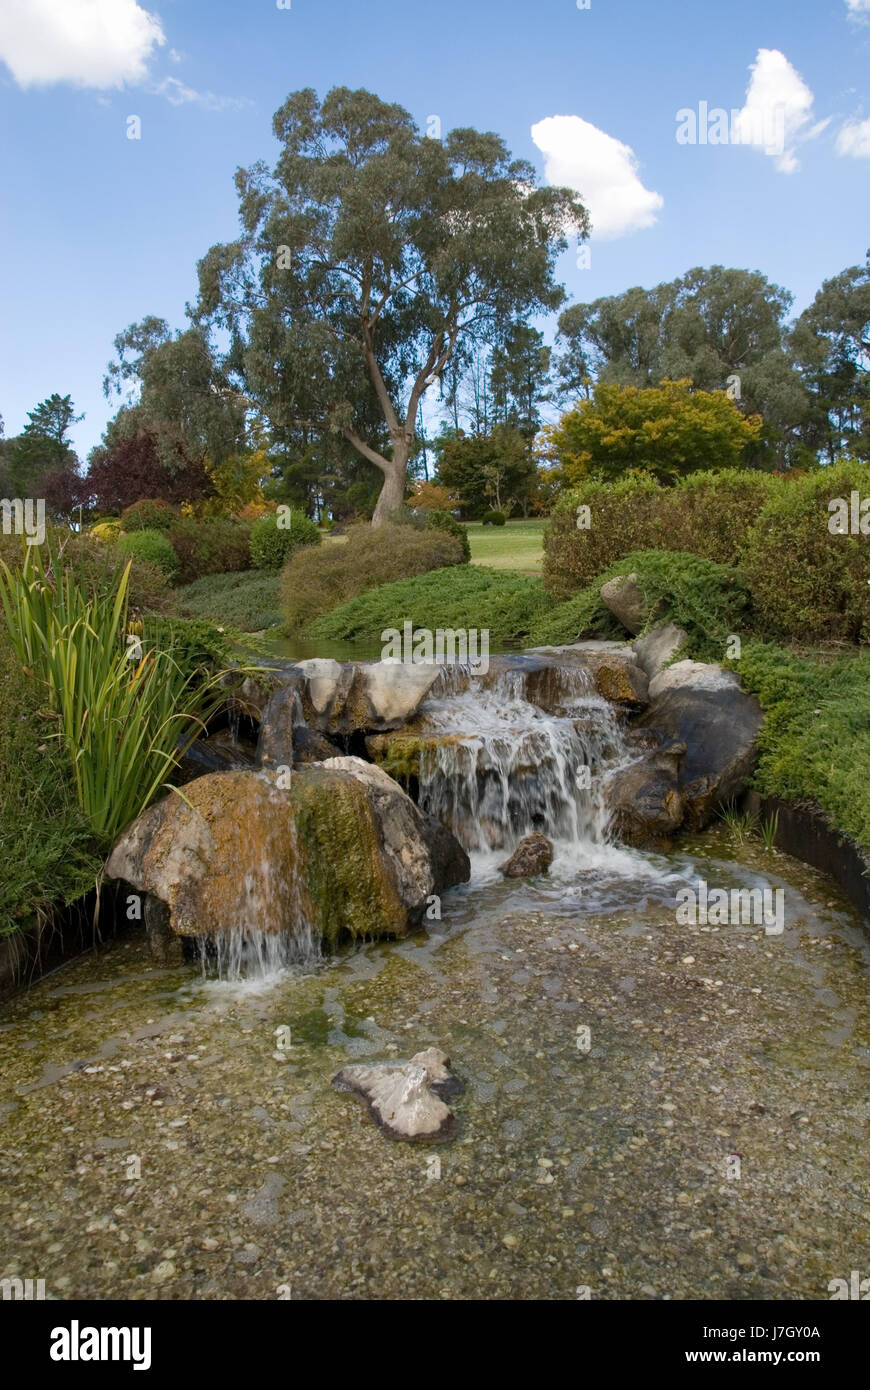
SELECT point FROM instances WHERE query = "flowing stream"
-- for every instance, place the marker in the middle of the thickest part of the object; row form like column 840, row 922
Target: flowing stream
column 652, row 1109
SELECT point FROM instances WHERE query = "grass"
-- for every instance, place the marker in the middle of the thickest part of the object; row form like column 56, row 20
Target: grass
column 519, row 545
column 248, row 601
column 460, row 596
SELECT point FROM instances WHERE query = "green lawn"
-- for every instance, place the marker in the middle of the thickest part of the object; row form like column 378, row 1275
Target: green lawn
column 517, row 546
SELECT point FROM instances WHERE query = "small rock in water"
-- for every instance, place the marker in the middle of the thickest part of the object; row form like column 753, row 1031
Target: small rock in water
column 533, row 855
column 405, row 1098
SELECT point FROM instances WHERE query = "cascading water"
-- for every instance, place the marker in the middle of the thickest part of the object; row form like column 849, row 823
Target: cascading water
column 496, row 766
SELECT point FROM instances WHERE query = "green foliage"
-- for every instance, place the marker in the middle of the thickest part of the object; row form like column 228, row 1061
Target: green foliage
column 121, row 707
column 707, row 514
column 194, row 643
column 666, row 430
column 807, row 583
column 97, row 568
column 467, row 596
column 246, row 602
column 815, row 741
column 315, row 581
column 494, row 518
column 46, row 849
column 487, row 471
column 209, row 545
column 149, row 514
column 452, row 241
column 706, row 599
column 276, row 536
column 153, row 547
column 443, row 521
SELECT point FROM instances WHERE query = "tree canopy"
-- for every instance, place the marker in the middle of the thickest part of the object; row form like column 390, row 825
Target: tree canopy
column 368, row 257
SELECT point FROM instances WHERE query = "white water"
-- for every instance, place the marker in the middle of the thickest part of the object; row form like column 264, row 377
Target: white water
column 500, row 768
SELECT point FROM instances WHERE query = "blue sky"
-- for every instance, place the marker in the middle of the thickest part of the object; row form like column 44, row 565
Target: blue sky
column 98, row 230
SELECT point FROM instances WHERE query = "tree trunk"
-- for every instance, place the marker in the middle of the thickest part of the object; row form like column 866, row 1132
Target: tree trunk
column 392, row 495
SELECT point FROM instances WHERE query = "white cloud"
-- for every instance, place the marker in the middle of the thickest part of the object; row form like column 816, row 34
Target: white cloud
column 602, row 170
column 857, row 8
column 777, row 111
column 854, row 139
column 177, row 94
column 90, row 43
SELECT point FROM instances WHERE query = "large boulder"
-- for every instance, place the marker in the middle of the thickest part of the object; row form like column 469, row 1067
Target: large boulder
column 339, row 851
column 623, row 597
column 704, row 707
column 644, row 798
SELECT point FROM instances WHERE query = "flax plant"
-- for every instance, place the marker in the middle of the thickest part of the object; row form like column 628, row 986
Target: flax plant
column 125, row 714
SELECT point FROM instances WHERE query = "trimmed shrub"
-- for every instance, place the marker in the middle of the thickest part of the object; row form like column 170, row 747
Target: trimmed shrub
column 210, row 545
column 314, row 582
column 464, row 596
column 443, row 521
column 621, row 519
column 194, row 643
column 272, row 543
column 493, row 518
column 106, row 531
column 148, row 514
column 151, row 546
column 807, row 583
column 706, row 514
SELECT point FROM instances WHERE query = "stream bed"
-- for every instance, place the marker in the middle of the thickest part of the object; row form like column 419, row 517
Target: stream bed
column 706, row 1139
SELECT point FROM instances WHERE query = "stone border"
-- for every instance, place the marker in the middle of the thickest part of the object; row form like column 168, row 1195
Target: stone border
column 805, row 831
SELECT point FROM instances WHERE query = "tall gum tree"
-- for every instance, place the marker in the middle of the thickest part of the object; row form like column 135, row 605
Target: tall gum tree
column 369, row 256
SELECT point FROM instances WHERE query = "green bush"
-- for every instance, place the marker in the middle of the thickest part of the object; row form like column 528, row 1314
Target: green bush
column 706, row 599
column 149, row 514
column 493, row 518
column 314, row 582
column 47, row 852
column 193, row 643
column 807, row 583
column 464, row 596
column 815, row 741
column 247, row 602
column 275, row 537
column 210, row 545
column 706, row 514
column 98, row 568
column 153, row 547
column 621, row 519
column 443, row 521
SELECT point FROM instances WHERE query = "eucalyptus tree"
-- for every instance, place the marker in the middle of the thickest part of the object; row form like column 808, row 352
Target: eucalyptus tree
column 368, row 258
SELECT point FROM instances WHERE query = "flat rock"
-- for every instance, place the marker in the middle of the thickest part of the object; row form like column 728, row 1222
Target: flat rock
column 403, row 1097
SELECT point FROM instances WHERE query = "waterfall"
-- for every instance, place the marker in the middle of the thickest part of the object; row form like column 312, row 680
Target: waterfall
column 521, row 751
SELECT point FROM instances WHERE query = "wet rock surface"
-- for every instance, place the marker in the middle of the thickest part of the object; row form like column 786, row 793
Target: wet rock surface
column 533, row 855
column 703, row 707
column 644, row 798
column 607, row 1167
column 405, row 1098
